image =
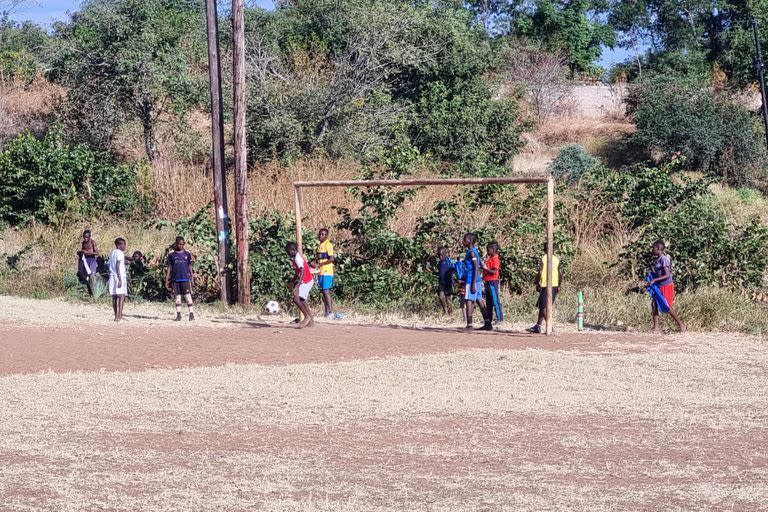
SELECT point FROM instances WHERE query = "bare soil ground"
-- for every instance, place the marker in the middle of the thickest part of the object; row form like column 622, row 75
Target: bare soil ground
column 236, row 414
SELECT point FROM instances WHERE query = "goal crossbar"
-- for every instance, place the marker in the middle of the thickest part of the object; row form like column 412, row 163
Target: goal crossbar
column 415, row 182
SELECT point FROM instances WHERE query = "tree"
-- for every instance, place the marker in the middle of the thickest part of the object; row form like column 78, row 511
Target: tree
column 682, row 116
column 21, row 48
column 573, row 26
column 126, row 60
column 344, row 76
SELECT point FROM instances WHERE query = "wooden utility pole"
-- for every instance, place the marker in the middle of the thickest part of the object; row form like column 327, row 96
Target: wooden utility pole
column 241, row 160
column 223, row 223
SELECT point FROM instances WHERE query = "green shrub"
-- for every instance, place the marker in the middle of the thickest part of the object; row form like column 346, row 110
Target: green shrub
column 682, row 116
column 47, row 180
column 572, row 163
column 704, row 249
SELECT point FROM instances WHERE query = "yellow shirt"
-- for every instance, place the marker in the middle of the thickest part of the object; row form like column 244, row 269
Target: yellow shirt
column 555, row 271
column 324, row 251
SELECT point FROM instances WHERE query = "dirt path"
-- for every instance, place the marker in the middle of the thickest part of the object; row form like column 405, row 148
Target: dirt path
column 60, row 336
column 27, row 349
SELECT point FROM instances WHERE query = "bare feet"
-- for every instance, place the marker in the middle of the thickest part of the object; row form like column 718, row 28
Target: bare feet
column 307, row 322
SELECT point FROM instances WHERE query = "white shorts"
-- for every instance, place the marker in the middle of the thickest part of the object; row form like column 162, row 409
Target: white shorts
column 304, row 289
column 113, row 289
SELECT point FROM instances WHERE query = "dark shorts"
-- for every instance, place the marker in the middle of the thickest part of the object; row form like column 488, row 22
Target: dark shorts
column 181, row 288
column 541, row 303
column 446, row 289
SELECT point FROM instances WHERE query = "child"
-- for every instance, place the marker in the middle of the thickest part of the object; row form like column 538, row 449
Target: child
column 87, row 264
column 118, row 284
column 541, row 286
column 446, row 267
column 661, row 276
column 301, row 284
column 473, row 287
column 324, row 261
column 179, row 276
column 491, row 276
column 136, row 270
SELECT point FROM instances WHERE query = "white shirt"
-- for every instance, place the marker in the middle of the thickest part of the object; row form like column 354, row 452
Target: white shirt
column 116, row 257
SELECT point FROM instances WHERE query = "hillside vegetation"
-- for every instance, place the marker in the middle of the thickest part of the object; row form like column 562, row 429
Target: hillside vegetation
column 105, row 126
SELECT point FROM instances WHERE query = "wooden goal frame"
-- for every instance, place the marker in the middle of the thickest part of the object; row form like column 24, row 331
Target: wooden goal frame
column 299, row 185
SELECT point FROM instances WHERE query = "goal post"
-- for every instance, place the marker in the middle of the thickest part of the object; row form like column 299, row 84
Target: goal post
column 416, row 182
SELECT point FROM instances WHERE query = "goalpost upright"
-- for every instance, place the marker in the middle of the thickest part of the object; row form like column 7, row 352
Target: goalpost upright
column 298, row 185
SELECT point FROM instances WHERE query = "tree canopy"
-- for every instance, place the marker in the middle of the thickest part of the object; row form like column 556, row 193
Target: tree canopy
column 129, row 60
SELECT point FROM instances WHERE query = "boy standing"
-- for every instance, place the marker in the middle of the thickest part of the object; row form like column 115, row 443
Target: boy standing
column 301, row 284
column 445, row 269
column 541, row 286
column 662, row 277
column 118, row 284
column 324, row 261
column 178, row 277
column 473, row 287
column 86, row 260
column 491, row 276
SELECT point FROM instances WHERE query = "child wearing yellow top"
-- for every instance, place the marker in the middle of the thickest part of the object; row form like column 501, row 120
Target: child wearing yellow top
column 541, row 286
column 324, row 262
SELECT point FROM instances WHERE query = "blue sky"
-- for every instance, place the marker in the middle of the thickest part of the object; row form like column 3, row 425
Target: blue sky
column 45, row 12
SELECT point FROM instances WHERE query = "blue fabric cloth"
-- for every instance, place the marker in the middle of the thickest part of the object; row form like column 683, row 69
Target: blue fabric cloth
column 446, row 267
column 461, row 270
column 180, row 263
column 325, row 282
column 656, row 296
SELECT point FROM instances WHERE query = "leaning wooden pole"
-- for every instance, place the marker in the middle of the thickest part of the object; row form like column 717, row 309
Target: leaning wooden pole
column 223, row 223
column 241, row 156
column 550, row 250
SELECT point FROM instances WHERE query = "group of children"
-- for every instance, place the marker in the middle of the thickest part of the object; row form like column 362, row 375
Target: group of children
column 478, row 280
column 178, row 280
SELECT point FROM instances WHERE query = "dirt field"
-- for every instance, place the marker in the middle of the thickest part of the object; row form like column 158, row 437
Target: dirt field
column 235, row 414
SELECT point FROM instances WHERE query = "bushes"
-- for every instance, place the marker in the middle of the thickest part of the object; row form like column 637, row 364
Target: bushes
column 684, row 116
column 663, row 203
column 48, row 181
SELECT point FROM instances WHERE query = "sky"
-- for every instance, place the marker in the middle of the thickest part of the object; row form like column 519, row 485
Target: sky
column 45, row 12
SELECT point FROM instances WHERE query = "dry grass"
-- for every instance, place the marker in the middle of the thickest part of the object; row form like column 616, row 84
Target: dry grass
column 587, row 132
column 26, row 108
column 741, row 205
column 679, row 426
column 51, row 252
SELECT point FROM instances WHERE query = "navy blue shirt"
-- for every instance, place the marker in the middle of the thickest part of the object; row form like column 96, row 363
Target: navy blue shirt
column 181, row 266
column 445, row 269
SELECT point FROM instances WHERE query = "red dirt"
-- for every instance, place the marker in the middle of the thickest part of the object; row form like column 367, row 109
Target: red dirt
column 29, row 349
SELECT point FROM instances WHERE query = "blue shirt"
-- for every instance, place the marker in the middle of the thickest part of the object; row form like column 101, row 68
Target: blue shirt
column 472, row 252
column 181, row 266
column 445, row 269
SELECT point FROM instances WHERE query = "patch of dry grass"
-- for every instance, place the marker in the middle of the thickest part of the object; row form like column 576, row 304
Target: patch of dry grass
column 679, row 423
column 587, row 132
column 26, row 108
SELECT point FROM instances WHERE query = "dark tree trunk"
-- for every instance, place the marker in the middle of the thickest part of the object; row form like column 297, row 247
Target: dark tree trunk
column 149, row 121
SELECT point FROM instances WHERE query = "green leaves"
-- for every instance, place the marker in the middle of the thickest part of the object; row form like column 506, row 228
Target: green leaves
column 126, row 60
column 47, row 180
column 685, row 116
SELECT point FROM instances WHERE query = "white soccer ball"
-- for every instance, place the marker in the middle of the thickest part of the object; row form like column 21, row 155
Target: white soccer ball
column 272, row 307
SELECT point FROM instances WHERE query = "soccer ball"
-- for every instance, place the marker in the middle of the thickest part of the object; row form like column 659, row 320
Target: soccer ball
column 272, row 307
